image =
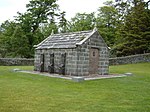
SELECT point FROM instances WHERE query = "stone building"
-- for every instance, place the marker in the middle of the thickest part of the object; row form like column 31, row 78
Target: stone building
column 76, row 54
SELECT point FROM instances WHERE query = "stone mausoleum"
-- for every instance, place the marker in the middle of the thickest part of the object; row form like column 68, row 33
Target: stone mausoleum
column 76, row 53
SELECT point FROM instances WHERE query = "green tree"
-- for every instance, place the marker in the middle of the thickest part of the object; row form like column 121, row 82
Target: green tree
column 19, row 43
column 48, row 28
column 81, row 22
column 107, row 21
column 136, row 31
column 41, row 11
column 63, row 23
column 6, row 30
column 38, row 12
column 18, row 37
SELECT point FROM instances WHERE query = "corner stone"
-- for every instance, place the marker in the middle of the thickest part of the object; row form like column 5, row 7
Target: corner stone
column 77, row 79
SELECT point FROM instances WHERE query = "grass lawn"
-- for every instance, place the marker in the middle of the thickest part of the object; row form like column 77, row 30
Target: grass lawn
column 22, row 92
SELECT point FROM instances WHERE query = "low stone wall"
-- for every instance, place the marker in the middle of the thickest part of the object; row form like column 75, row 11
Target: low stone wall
column 130, row 59
column 112, row 61
column 16, row 62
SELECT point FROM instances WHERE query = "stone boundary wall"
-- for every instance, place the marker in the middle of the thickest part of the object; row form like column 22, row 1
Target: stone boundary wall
column 112, row 61
column 130, row 59
column 16, row 62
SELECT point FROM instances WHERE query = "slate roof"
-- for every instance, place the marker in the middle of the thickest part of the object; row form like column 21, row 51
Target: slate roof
column 65, row 40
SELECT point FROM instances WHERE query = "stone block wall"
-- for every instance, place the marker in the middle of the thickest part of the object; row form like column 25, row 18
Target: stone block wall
column 71, row 60
column 130, row 59
column 83, row 60
column 16, row 62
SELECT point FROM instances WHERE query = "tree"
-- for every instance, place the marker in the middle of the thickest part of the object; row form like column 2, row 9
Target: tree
column 6, row 30
column 20, row 43
column 81, row 22
column 107, row 20
column 136, row 31
column 42, row 11
column 48, row 28
column 18, row 37
column 63, row 23
column 39, row 12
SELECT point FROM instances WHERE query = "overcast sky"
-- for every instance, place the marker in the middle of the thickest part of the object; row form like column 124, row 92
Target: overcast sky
column 9, row 8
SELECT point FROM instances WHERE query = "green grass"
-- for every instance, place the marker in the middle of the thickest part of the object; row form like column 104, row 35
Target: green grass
column 21, row 92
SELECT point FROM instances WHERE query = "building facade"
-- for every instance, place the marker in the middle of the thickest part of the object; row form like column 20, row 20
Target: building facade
column 77, row 54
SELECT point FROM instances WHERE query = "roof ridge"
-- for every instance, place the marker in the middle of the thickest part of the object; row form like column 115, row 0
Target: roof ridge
column 73, row 32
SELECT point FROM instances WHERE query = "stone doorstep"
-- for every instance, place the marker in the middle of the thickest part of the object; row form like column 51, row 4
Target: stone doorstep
column 74, row 78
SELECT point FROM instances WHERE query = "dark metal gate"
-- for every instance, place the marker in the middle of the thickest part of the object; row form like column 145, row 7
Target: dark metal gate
column 57, row 68
column 42, row 63
column 51, row 66
column 63, row 63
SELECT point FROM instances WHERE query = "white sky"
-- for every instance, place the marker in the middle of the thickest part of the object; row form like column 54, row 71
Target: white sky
column 9, row 8
column 74, row 6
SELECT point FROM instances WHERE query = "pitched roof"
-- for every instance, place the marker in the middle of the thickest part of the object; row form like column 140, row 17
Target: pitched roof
column 65, row 40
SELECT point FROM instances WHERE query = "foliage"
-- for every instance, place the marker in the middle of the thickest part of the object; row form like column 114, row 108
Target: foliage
column 124, row 25
column 7, row 29
column 19, row 39
column 63, row 23
column 21, row 92
column 107, row 20
column 81, row 22
column 135, row 32
column 26, row 31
